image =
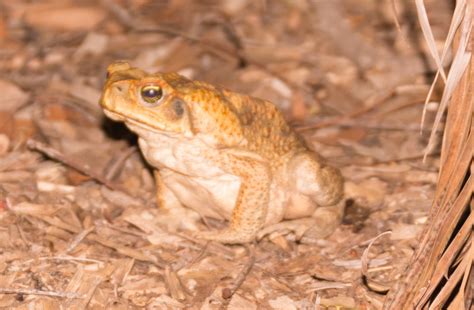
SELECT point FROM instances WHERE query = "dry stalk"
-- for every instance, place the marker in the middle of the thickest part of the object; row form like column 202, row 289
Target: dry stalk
column 438, row 274
column 39, row 292
column 56, row 155
column 371, row 283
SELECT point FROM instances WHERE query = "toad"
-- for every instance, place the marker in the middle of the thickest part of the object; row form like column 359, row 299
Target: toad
column 226, row 155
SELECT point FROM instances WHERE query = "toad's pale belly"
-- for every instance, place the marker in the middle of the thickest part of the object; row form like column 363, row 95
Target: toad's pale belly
column 217, row 197
column 209, row 197
column 200, row 184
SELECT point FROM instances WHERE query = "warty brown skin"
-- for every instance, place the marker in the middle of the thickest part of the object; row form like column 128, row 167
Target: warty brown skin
column 223, row 154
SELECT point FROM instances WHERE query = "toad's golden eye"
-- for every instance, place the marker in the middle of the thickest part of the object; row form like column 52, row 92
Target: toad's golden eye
column 151, row 93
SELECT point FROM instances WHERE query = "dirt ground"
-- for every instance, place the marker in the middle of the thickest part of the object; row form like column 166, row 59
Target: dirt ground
column 79, row 225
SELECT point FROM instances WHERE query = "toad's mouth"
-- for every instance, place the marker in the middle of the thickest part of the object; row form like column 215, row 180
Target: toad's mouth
column 133, row 124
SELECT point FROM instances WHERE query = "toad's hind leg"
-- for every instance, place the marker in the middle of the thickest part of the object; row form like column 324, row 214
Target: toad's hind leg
column 317, row 191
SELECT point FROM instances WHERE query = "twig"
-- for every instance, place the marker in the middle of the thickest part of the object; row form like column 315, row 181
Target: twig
column 367, row 107
column 390, row 160
column 75, row 242
column 344, row 118
column 117, row 164
column 211, row 247
column 397, row 23
column 278, row 278
column 401, row 106
column 64, row 258
column 228, row 292
column 131, row 252
column 363, row 123
column 56, row 155
column 395, row 16
column 193, row 260
column 372, row 284
column 39, row 292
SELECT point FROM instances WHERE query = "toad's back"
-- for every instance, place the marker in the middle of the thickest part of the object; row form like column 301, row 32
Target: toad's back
column 259, row 122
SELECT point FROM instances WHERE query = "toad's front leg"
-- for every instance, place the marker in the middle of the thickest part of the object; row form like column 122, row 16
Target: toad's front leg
column 250, row 210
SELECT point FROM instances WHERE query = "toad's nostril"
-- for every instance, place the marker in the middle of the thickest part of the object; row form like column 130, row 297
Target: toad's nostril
column 118, row 88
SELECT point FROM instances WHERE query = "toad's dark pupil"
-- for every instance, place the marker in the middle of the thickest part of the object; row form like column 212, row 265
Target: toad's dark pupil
column 151, row 94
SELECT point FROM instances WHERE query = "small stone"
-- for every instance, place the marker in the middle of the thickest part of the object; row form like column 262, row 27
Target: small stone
column 17, row 62
column 54, row 58
column 226, row 293
column 34, row 64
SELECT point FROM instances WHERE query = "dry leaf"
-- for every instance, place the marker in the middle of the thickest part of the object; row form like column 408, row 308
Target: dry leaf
column 64, row 18
column 298, row 107
column 12, row 96
column 283, row 303
column 4, row 144
column 94, row 44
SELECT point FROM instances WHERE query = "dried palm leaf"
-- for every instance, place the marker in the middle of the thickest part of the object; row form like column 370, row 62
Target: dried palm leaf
column 440, row 272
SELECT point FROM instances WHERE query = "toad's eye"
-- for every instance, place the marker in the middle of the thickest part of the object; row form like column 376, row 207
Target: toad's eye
column 151, row 93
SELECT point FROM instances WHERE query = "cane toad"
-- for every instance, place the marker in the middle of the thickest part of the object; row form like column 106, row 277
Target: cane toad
column 223, row 154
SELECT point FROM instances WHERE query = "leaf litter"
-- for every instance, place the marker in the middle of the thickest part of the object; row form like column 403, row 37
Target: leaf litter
column 80, row 228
